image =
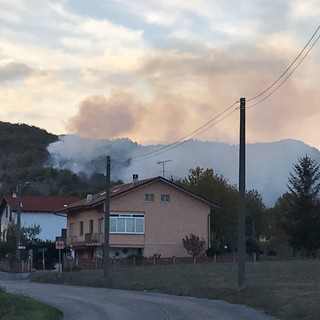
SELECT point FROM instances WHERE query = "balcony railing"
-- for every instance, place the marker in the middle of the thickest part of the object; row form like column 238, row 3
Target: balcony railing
column 94, row 237
column 89, row 238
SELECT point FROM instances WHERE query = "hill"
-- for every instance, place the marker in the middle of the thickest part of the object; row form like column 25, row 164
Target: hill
column 22, row 145
column 268, row 164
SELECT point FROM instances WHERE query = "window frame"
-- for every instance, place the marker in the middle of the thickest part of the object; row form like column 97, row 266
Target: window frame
column 81, row 227
column 71, row 229
column 165, row 198
column 125, row 218
column 149, row 197
column 91, row 225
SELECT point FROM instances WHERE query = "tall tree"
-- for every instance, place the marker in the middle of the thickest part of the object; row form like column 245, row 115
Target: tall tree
column 301, row 218
column 224, row 220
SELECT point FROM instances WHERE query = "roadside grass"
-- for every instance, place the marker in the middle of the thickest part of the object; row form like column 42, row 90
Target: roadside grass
column 288, row 290
column 17, row 307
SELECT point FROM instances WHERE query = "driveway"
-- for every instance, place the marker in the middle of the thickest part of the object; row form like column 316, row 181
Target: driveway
column 85, row 303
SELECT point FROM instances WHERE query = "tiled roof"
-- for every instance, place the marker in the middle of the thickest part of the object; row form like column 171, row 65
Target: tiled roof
column 99, row 198
column 39, row 203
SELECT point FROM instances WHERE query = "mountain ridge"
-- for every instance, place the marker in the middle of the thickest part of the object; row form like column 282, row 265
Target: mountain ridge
column 268, row 164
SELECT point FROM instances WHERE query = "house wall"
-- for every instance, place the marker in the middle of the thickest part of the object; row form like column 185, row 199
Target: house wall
column 7, row 217
column 85, row 217
column 50, row 223
column 166, row 223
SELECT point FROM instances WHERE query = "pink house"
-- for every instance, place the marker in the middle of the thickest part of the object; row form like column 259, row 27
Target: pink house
column 147, row 217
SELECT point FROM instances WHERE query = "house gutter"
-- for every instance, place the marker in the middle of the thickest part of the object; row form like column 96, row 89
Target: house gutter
column 60, row 214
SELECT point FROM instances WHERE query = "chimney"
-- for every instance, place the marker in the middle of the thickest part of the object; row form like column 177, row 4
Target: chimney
column 134, row 179
column 89, row 197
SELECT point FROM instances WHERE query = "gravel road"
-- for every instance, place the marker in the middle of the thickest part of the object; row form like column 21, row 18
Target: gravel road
column 85, row 303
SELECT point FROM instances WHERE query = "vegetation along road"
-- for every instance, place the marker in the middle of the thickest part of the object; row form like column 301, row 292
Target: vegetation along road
column 78, row 303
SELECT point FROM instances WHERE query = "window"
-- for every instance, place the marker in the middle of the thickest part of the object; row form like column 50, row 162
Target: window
column 149, row 197
column 71, row 230
column 7, row 210
column 81, row 228
column 165, row 198
column 127, row 223
column 100, row 226
column 91, row 227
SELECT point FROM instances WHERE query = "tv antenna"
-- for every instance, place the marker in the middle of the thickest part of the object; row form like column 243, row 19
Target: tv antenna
column 163, row 166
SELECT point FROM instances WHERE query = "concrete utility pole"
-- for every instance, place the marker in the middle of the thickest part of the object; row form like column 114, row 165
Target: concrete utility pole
column 18, row 231
column 241, row 198
column 106, row 264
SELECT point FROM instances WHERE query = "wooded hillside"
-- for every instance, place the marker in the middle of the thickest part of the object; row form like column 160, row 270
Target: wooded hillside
column 22, row 145
column 24, row 158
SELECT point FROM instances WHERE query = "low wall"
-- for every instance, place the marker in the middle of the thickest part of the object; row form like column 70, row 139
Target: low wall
column 14, row 276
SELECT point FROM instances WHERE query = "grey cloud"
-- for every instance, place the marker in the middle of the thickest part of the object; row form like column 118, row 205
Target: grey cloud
column 12, row 71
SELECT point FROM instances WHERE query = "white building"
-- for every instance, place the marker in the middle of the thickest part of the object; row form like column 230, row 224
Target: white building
column 35, row 210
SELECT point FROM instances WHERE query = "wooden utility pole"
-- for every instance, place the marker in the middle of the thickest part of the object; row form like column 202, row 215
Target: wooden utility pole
column 241, row 198
column 106, row 264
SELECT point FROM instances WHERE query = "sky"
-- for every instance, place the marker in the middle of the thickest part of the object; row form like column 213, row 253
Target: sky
column 154, row 71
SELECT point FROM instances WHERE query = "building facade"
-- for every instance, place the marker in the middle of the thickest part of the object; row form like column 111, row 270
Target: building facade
column 35, row 210
column 148, row 217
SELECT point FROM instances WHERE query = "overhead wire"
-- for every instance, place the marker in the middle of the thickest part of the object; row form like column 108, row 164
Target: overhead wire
column 286, row 78
column 160, row 151
column 206, row 126
column 288, row 68
column 212, row 122
column 192, row 134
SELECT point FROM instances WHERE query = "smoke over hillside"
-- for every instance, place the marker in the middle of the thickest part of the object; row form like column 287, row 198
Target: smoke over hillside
column 268, row 164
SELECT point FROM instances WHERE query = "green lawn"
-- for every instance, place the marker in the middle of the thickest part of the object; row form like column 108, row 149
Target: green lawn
column 288, row 290
column 16, row 307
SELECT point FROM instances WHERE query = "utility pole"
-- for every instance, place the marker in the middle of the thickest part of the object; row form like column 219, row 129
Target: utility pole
column 18, row 231
column 163, row 164
column 106, row 264
column 241, row 198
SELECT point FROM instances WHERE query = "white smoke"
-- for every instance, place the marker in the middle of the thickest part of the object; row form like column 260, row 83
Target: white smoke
column 268, row 164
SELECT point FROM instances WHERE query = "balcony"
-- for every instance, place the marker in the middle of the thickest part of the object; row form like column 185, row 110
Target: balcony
column 88, row 239
column 92, row 238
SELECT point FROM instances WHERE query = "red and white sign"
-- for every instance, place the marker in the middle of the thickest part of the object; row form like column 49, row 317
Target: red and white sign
column 60, row 245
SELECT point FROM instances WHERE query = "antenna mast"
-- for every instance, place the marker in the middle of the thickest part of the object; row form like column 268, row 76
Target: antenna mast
column 163, row 166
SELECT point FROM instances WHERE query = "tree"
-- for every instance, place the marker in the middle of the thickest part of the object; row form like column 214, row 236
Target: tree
column 30, row 234
column 193, row 245
column 223, row 229
column 215, row 188
column 301, row 216
column 8, row 248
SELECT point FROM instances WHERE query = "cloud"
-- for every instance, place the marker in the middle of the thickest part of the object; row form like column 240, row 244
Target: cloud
column 158, row 69
column 10, row 71
column 186, row 89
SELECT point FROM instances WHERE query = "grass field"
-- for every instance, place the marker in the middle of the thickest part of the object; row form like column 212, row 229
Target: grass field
column 288, row 290
column 15, row 307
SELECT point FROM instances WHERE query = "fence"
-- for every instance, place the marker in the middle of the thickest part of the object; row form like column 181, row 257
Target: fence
column 90, row 264
column 15, row 266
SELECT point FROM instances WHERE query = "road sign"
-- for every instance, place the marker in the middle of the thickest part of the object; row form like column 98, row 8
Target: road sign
column 21, row 247
column 60, row 245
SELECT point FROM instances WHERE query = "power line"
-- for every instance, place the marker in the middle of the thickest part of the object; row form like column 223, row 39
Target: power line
column 180, row 142
column 160, row 151
column 286, row 78
column 192, row 135
column 288, row 68
column 213, row 121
